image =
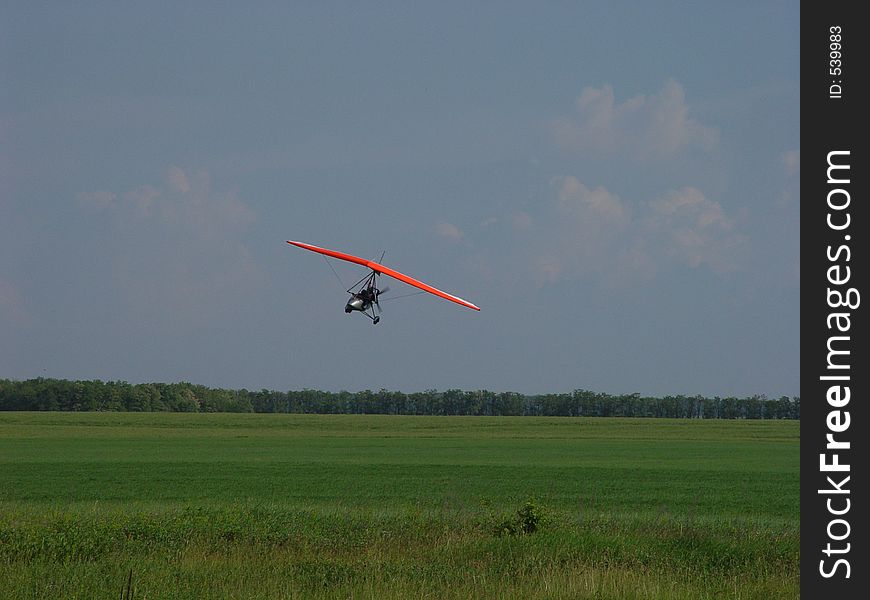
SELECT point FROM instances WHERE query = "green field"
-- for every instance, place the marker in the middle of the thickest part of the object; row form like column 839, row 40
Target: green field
column 323, row 506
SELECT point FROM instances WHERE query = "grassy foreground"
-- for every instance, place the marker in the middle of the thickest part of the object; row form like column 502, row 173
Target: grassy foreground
column 320, row 506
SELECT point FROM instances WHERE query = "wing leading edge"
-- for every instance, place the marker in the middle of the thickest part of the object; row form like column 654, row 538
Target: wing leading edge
column 379, row 268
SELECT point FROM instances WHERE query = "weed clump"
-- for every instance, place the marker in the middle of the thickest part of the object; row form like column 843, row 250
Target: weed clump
column 526, row 521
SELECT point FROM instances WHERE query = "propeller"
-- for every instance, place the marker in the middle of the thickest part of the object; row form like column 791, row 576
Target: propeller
column 383, row 291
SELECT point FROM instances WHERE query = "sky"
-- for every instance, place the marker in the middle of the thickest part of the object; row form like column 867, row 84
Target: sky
column 615, row 184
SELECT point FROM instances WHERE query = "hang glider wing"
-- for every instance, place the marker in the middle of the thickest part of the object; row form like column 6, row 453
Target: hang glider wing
column 379, row 268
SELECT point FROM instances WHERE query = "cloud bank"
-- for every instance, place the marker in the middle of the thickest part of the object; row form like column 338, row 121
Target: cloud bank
column 583, row 232
column 179, row 248
column 657, row 126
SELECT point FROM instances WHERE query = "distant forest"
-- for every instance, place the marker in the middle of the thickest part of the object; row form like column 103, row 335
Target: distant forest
column 64, row 395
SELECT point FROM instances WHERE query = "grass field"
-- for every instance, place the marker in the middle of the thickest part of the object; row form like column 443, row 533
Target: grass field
column 316, row 506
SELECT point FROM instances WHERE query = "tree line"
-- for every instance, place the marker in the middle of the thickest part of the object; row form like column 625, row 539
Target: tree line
column 63, row 395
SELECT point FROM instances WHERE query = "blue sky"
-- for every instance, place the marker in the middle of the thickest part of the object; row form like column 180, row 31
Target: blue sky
column 614, row 184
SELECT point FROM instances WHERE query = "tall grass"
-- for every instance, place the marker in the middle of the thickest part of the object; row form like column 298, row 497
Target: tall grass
column 261, row 551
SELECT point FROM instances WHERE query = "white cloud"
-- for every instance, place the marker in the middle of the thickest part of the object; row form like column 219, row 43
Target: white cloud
column 521, row 221
column 448, row 230
column 11, row 307
column 597, row 207
column 791, row 161
column 187, row 203
column 657, row 126
column 694, row 229
column 178, row 180
column 584, row 232
column 791, row 164
column 548, row 269
column 142, row 200
column 98, row 200
column 578, row 233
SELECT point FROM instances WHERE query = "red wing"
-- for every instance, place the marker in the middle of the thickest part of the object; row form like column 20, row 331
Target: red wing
column 386, row 271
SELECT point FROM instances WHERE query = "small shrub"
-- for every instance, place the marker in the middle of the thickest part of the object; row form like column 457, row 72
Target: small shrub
column 529, row 517
column 526, row 521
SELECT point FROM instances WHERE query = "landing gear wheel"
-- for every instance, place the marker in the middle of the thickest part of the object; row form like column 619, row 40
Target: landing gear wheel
column 375, row 320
